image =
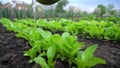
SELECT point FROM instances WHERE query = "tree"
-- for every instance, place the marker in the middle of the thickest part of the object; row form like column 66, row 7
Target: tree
column 60, row 6
column 71, row 11
column 102, row 9
column 0, row 3
column 97, row 11
column 110, row 9
column 0, row 9
column 118, row 13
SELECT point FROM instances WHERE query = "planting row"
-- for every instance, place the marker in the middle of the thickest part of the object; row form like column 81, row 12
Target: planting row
column 46, row 47
column 90, row 29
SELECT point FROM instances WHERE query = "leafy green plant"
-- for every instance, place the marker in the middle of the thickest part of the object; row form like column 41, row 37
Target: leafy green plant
column 70, row 46
column 85, row 59
column 51, row 52
column 53, row 46
column 41, row 61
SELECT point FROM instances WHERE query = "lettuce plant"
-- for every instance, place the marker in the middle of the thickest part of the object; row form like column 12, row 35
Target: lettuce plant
column 53, row 46
column 85, row 59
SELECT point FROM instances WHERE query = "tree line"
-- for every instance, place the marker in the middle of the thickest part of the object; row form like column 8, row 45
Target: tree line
column 57, row 11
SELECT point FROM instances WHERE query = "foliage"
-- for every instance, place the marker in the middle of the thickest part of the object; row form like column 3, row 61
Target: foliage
column 53, row 46
column 57, row 11
column 18, row 13
column 60, row 5
column 90, row 29
column 86, row 59
column 110, row 9
column 5, row 12
column 102, row 9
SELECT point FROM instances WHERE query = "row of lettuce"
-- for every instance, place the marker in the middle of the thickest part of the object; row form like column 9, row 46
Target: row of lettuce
column 102, row 30
column 46, row 47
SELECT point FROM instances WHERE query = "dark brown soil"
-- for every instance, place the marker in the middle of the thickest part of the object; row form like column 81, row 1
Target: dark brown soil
column 110, row 51
column 11, row 52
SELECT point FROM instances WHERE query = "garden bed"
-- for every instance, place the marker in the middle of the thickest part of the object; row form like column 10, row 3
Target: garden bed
column 12, row 48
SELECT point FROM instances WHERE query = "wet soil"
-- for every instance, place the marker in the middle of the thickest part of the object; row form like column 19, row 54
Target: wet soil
column 12, row 48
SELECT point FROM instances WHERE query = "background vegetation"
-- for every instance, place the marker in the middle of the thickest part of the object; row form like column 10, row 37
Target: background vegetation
column 55, row 11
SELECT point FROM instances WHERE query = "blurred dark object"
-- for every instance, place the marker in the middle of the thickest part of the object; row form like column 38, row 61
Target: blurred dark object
column 47, row 2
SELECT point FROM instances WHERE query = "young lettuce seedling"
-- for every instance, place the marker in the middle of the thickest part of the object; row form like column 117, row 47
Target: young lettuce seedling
column 85, row 59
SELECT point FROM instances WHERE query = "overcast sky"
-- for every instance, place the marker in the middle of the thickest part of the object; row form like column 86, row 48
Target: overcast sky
column 87, row 5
